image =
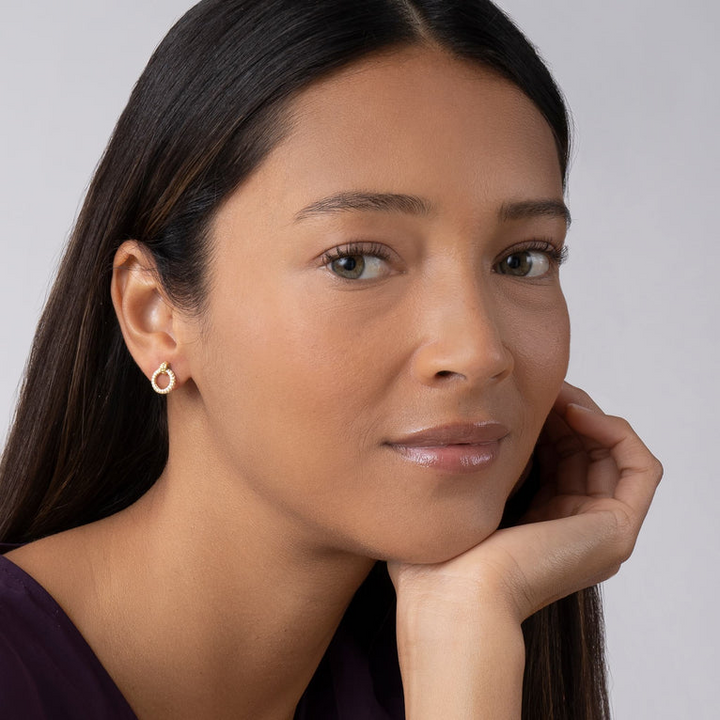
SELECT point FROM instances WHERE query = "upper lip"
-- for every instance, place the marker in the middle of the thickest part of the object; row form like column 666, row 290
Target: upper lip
column 475, row 433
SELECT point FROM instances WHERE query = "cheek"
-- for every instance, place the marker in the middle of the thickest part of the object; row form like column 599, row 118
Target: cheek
column 540, row 342
column 300, row 422
column 295, row 415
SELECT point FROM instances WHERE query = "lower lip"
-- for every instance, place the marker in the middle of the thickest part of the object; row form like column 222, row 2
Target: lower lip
column 453, row 458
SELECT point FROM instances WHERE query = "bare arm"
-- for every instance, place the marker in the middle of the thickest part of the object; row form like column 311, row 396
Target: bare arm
column 460, row 667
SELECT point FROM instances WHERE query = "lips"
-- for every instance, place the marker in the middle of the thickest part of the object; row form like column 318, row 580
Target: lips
column 478, row 433
column 455, row 448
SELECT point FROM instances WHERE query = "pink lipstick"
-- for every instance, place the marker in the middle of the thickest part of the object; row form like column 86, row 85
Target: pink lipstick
column 454, row 447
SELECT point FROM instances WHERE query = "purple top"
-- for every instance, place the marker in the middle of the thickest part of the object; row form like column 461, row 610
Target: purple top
column 49, row 672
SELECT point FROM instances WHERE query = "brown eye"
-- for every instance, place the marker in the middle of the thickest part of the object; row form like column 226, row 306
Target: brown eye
column 349, row 263
column 525, row 263
column 350, row 266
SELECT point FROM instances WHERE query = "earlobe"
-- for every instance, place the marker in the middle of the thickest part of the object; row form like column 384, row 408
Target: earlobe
column 145, row 316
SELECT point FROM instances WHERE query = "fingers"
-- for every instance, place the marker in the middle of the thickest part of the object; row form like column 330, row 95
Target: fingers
column 623, row 454
column 572, row 394
column 587, row 467
column 602, row 472
column 593, row 458
column 562, row 557
column 598, row 480
column 564, row 455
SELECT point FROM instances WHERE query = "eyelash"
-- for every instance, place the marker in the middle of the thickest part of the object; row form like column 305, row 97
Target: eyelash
column 557, row 256
column 354, row 248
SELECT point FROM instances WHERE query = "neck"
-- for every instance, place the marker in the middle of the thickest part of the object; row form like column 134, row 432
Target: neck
column 219, row 617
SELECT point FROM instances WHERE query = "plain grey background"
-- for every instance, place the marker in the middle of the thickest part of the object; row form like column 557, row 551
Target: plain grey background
column 643, row 81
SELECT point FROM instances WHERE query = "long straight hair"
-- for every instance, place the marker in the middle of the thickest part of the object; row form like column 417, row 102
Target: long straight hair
column 92, row 437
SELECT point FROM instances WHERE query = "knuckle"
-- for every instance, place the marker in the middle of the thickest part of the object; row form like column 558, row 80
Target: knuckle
column 658, row 469
column 624, row 423
column 625, row 536
column 626, row 549
column 611, row 570
column 584, row 395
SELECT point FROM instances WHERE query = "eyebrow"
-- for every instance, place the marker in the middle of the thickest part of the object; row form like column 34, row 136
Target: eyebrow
column 535, row 208
column 415, row 205
column 359, row 200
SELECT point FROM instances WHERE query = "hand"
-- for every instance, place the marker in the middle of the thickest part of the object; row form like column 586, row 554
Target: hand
column 598, row 480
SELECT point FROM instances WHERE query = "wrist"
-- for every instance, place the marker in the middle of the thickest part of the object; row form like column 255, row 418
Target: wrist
column 460, row 664
column 454, row 596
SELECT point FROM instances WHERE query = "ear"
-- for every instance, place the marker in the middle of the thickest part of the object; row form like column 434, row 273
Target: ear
column 148, row 320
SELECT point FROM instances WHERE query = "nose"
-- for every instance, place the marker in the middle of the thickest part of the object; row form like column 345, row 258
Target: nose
column 463, row 334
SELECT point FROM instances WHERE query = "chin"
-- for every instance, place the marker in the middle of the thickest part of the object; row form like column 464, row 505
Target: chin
column 444, row 544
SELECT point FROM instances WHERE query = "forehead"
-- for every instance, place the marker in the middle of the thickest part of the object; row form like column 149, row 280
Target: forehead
column 413, row 120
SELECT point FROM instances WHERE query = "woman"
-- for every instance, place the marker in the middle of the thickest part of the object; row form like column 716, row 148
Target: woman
column 310, row 319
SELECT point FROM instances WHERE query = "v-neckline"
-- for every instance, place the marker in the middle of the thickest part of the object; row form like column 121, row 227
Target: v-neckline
column 50, row 606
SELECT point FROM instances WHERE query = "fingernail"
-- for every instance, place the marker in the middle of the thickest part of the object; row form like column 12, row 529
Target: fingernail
column 579, row 407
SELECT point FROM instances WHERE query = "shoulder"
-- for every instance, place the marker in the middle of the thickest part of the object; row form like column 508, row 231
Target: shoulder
column 28, row 645
column 19, row 694
column 51, row 561
column 47, row 670
column 59, row 568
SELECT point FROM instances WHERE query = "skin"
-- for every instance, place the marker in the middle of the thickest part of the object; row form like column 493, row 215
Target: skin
column 216, row 594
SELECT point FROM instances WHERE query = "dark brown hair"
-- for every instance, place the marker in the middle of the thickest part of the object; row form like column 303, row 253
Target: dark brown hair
column 212, row 102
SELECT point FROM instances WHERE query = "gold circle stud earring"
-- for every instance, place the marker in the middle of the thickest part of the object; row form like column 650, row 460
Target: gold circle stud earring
column 163, row 370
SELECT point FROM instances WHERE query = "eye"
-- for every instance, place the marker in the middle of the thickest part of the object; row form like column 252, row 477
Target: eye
column 534, row 260
column 354, row 260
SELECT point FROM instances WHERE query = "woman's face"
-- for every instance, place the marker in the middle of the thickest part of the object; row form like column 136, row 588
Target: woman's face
column 311, row 366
